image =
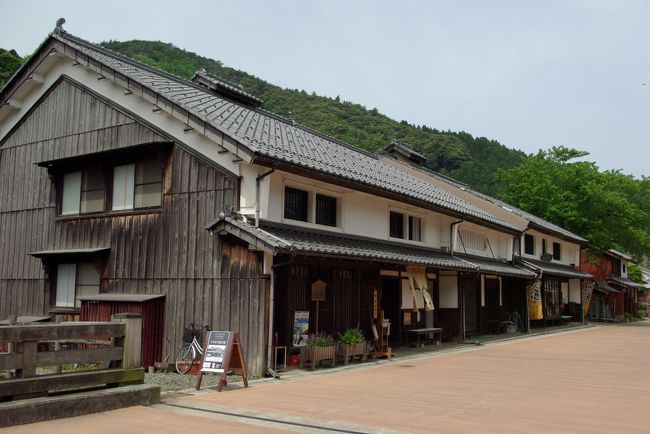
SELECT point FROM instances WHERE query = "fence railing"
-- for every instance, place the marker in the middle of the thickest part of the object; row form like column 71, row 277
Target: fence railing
column 110, row 352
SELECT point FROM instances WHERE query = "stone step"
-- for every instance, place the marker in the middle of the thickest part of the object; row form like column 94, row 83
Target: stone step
column 76, row 404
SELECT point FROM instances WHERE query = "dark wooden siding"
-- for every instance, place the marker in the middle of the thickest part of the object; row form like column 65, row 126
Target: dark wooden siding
column 348, row 301
column 164, row 252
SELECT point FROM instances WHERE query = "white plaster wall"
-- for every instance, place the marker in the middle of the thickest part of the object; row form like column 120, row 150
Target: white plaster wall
column 570, row 252
column 448, row 291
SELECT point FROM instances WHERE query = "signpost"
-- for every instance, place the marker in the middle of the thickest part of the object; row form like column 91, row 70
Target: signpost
column 223, row 353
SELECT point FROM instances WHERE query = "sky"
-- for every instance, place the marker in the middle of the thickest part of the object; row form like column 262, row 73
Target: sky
column 529, row 74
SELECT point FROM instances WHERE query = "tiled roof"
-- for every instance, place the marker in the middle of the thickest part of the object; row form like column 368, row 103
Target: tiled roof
column 280, row 238
column 625, row 282
column 554, row 269
column 500, row 267
column 270, row 136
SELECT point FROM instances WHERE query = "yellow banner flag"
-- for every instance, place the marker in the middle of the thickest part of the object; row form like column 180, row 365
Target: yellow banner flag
column 587, row 292
column 535, row 300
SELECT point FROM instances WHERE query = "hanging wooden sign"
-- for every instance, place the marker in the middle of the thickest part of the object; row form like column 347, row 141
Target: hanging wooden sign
column 222, row 353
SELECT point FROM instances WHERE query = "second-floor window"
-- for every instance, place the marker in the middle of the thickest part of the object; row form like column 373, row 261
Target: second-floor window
column 396, row 224
column 401, row 226
column 296, row 204
column 310, row 207
column 137, row 185
column 557, row 251
column 325, row 210
column 529, row 244
column 83, row 192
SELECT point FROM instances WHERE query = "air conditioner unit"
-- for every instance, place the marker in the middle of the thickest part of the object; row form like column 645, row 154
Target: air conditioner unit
column 547, row 257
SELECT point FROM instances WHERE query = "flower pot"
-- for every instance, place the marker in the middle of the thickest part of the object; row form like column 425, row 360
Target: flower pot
column 315, row 355
column 346, row 352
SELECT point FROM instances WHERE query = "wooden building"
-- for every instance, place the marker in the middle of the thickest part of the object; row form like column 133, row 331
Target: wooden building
column 111, row 171
column 616, row 297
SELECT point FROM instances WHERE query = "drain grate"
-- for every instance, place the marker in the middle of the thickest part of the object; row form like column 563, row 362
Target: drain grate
column 406, row 366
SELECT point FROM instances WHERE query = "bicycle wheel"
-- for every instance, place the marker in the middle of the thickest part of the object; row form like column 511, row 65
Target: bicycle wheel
column 184, row 359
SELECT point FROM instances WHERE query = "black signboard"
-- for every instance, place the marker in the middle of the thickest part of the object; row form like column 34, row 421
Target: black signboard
column 223, row 353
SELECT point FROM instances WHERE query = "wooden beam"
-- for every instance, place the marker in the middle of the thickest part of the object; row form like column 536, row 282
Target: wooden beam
column 70, row 380
column 51, row 332
column 50, row 358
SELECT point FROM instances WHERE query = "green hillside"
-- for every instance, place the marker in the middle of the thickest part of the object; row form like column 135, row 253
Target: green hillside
column 472, row 160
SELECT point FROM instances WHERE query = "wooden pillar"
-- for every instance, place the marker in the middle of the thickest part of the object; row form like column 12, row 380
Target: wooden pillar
column 132, row 342
column 28, row 350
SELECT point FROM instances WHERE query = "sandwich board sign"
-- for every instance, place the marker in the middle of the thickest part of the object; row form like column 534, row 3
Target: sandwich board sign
column 222, row 353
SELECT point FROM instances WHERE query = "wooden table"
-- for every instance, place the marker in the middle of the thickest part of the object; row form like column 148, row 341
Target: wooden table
column 434, row 332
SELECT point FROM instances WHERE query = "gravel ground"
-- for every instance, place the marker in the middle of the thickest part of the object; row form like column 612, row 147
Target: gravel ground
column 171, row 381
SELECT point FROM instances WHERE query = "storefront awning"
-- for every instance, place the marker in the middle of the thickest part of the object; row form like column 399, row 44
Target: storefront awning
column 604, row 288
column 624, row 282
column 278, row 238
column 501, row 268
column 554, row 269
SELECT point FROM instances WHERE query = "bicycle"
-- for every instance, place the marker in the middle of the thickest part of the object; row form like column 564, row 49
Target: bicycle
column 191, row 350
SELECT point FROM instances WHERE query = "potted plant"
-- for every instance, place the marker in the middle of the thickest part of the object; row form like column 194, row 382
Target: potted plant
column 319, row 347
column 351, row 343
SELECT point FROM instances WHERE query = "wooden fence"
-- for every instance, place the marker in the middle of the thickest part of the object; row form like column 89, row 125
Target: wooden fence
column 112, row 349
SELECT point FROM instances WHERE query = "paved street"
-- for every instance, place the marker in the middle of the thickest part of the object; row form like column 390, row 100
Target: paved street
column 589, row 380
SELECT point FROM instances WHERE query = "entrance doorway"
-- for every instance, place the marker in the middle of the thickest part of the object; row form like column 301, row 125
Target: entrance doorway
column 391, row 304
column 492, row 300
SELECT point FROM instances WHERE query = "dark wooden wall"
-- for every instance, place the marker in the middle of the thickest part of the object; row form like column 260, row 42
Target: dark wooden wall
column 164, row 252
column 348, row 300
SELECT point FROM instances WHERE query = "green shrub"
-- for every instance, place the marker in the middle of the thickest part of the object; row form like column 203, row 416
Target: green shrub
column 352, row 336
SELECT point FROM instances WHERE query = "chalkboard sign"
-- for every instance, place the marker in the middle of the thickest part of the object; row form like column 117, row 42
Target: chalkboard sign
column 222, row 353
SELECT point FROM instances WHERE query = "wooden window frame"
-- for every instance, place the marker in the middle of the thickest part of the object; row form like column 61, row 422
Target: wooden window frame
column 557, row 251
column 84, row 170
column 396, row 230
column 326, row 217
column 99, row 263
column 528, row 237
column 304, row 207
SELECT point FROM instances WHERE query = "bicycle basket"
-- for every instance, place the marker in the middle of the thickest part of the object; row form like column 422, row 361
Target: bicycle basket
column 188, row 335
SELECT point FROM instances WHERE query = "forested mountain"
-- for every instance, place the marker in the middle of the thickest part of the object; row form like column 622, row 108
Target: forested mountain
column 9, row 62
column 472, row 160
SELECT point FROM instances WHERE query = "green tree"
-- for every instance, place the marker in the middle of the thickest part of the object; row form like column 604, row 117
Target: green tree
column 610, row 209
column 10, row 61
column 634, row 272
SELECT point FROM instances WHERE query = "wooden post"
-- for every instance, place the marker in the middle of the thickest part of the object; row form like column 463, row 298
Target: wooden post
column 28, row 349
column 132, row 342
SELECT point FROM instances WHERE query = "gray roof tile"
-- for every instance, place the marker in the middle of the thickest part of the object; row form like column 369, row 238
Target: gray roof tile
column 291, row 239
column 554, row 269
column 271, row 136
